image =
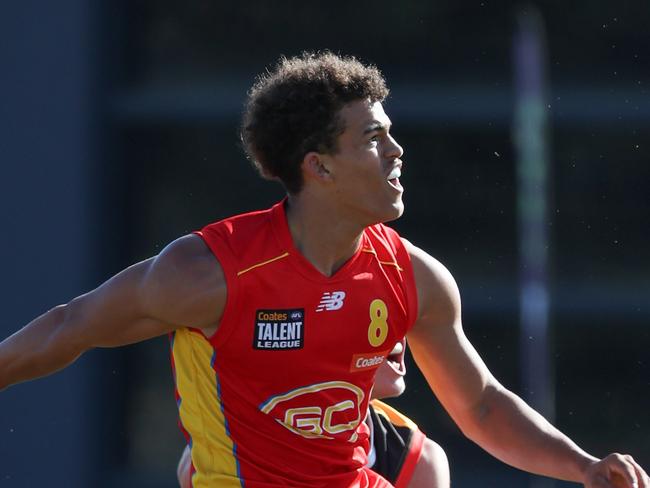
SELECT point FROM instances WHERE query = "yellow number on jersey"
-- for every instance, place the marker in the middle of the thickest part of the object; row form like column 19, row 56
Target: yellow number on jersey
column 378, row 328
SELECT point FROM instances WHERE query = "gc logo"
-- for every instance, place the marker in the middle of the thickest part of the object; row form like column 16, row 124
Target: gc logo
column 324, row 410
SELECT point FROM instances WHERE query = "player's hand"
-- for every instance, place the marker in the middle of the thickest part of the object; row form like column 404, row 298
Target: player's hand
column 616, row 471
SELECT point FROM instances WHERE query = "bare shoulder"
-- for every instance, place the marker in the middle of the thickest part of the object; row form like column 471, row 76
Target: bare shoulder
column 187, row 257
column 438, row 295
column 186, row 283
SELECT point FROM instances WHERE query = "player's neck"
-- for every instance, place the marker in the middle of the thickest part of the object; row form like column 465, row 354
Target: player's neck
column 325, row 239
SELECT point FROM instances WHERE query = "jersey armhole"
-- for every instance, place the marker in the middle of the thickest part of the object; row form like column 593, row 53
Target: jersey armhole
column 401, row 254
column 410, row 288
column 228, row 267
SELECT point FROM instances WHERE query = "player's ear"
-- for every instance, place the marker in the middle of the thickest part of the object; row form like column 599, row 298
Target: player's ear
column 315, row 166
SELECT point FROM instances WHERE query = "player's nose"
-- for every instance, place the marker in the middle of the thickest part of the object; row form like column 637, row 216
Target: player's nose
column 393, row 149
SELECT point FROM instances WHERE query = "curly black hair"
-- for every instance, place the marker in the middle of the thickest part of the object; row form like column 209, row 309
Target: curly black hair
column 294, row 109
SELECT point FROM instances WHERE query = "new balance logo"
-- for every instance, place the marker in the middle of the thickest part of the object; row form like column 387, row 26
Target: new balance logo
column 331, row 301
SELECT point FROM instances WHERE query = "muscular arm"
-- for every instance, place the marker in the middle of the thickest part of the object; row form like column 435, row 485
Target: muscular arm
column 487, row 413
column 182, row 286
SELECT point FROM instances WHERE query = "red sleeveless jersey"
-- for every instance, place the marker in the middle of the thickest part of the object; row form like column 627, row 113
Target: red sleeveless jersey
column 277, row 397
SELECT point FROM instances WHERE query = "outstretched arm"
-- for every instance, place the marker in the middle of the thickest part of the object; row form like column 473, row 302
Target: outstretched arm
column 182, row 286
column 489, row 414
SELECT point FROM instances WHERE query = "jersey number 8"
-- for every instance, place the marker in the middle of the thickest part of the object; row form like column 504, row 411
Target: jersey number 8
column 378, row 328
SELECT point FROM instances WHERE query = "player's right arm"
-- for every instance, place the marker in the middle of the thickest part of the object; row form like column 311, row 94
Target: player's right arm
column 489, row 414
column 182, row 286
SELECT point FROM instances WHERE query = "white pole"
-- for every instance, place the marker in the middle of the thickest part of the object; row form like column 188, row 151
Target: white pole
column 530, row 138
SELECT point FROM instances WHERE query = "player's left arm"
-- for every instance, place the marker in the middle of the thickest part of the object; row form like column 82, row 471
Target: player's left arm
column 487, row 413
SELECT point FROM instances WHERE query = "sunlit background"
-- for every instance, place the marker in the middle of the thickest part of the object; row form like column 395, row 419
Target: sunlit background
column 119, row 126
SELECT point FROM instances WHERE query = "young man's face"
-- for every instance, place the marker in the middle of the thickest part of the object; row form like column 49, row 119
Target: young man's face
column 366, row 168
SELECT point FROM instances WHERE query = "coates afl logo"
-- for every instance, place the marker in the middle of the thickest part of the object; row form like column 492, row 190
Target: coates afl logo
column 324, row 410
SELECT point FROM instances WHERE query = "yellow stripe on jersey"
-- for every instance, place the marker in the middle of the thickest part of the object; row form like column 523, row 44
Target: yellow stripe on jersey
column 391, row 263
column 201, row 412
column 263, row 263
column 384, row 263
column 395, row 417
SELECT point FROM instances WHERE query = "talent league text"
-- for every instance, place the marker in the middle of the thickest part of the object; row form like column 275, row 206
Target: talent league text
column 279, row 329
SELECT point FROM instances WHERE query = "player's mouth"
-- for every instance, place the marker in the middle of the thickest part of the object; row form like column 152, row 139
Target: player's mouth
column 395, row 358
column 393, row 178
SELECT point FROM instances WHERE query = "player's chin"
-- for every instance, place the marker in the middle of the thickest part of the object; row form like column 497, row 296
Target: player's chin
column 398, row 206
column 394, row 210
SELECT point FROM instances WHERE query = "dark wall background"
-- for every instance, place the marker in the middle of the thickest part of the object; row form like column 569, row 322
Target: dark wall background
column 120, row 133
